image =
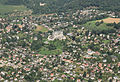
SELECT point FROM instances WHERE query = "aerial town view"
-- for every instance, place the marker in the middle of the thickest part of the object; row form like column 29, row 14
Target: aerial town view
column 59, row 40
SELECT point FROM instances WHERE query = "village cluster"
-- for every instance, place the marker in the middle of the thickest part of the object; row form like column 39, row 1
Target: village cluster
column 84, row 56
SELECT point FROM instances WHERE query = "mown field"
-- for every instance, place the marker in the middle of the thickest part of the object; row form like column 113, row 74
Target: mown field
column 4, row 9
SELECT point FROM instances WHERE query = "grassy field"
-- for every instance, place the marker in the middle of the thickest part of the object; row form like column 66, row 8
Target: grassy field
column 11, row 8
column 59, row 47
column 41, row 28
column 91, row 25
column 44, row 51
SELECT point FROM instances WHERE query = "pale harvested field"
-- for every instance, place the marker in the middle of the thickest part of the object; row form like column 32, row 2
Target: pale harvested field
column 41, row 28
column 111, row 20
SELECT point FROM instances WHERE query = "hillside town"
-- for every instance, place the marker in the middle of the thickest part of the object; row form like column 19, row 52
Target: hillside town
column 67, row 51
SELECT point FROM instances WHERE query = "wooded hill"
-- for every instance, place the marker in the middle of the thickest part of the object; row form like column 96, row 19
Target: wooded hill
column 64, row 5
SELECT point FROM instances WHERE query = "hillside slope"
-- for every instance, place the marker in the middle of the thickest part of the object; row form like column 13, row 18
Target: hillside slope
column 64, row 5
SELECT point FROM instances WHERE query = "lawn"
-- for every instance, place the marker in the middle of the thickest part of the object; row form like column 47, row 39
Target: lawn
column 45, row 51
column 59, row 47
column 11, row 8
column 106, row 41
column 41, row 28
column 22, row 35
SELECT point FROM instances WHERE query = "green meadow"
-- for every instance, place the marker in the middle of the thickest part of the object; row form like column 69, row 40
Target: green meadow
column 91, row 25
column 58, row 48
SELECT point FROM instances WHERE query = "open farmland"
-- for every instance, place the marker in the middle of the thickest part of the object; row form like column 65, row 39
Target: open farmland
column 111, row 20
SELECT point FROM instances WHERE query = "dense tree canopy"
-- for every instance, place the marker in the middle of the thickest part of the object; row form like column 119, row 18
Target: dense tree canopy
column 63, row 5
